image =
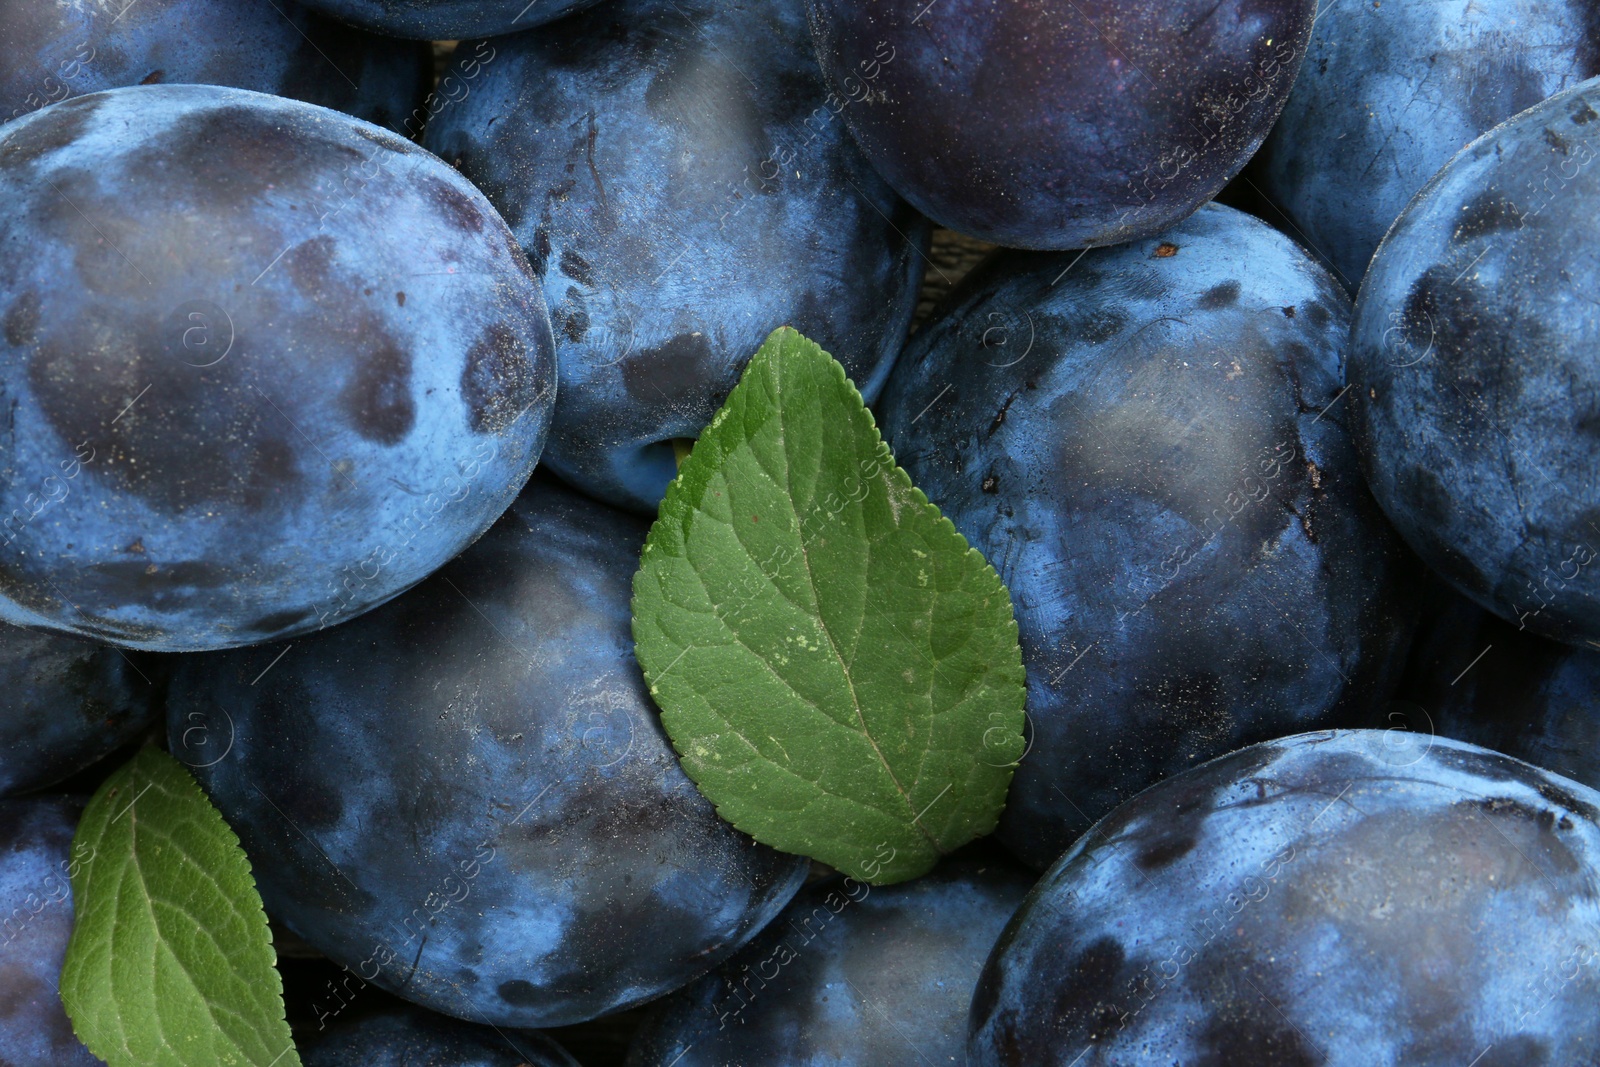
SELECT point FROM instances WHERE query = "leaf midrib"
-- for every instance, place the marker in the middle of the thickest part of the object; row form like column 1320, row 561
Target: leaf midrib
column 147, row 897
column 816, row 598
column 213, row 1012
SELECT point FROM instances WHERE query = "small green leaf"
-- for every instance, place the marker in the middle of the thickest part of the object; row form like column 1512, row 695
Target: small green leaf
column 170, row 962
column 837, row 668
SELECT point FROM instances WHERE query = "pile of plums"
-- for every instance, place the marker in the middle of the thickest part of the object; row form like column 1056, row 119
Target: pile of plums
column 341, row 374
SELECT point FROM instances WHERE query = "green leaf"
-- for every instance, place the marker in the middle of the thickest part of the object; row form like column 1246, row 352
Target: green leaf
column 837, row 668
column 170, row 962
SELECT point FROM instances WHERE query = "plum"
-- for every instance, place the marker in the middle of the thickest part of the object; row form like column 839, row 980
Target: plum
column 1474, row 677
column 466, row 797
column 410, row 1038
column 66, row 703
column 1475, row 370
column 265, row 366
column 849, row 974
column 430, row 20
column 1390, row 91
column 1057, row 124
column 37, row 861
column 676, row 174
column 1326, row 900
column 1147, row 442
column 67, row 48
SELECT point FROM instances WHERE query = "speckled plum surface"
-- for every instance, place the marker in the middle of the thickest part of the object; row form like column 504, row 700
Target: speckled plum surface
column 466, row 797
column 680, row 180
column 62, row 48
column 262, row 366
column 1475, row 370
column 1148, row 443
column 1390, row 91
column 1326, row 900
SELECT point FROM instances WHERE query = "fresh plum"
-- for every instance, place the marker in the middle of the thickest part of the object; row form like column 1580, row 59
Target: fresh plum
column 265, row 366
column 1390, row 91
column 1326, row 900
column 433, row 20
column 849, row 975
column 1475, row 677
column 1148, row 443
column 407, row 1037
column 466, row 797
column 65, row 703
column 37, row 861
column 677, row 175
column 1475, row 370
column 63, row 48
column 1052, row 124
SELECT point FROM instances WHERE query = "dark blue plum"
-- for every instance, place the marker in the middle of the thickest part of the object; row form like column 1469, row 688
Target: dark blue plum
column 1054, row 124
column 1390, row 91
column 37, row 861
column 1474, row 677
column 466, row 796
column 64, row 704
column 62, row 48
column 433, row 20
column 1328, row 900
column 1475, row 370
column 1148, row 443
column 265, row 366
column 410, row 1038
column 849, row 975
column 678, row 178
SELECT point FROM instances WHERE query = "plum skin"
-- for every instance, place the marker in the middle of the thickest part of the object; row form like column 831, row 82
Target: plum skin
column 67, row 703
column 511, row 837
column 1060, row 123
column 1475, row 373
column 270, row 46
column 1148, row 445
column 406, row 1037
column 1389, row 92
column 1329, row 899
column 441, row 20
column 36, row 902
column 269, row 366
column 1474, row 677
column 846, row 969
column 677, row 176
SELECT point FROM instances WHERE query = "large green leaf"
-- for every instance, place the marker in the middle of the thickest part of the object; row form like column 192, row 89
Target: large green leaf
column 837, row 668
column 170, row 962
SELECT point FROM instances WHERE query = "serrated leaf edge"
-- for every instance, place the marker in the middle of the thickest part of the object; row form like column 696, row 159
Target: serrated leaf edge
column 252, row 914
column 681, row 508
